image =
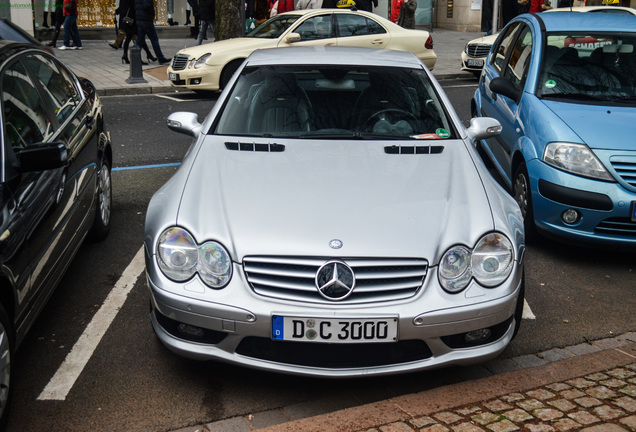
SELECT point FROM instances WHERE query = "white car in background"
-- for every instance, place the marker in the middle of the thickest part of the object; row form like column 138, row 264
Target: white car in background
column 476, row 51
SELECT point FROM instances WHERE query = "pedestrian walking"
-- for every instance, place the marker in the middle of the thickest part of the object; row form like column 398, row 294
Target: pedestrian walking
column 406, row 18
column 57, row 17
column 128, row 31
column 70, row 26
column 145, row 16
column 207, row 19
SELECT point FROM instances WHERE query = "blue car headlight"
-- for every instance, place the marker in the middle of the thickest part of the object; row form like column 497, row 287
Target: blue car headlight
column 180, row 258
column 576, row 159
column 490, row 263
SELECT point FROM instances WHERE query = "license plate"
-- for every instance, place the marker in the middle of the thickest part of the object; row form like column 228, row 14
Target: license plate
column 475, row 63
column 633, row 212
column 173, row 76
column 334, row 330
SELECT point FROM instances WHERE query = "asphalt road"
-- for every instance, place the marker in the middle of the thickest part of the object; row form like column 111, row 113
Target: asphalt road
column 132, row 383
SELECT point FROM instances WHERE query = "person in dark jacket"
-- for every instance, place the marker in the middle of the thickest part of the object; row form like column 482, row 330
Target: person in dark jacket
column 207, row 19
column 145, row 16
column 365, row 5
column 406, row 18
column 128, row 31
column 57, row 18
column 70, row 26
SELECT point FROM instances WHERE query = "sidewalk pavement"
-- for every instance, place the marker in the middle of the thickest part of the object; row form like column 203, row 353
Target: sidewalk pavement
column 102, row 64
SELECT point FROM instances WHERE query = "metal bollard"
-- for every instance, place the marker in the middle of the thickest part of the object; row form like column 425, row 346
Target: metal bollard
column 136, row 74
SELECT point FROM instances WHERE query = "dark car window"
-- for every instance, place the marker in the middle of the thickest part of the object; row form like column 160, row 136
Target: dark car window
column 315, row 28
column 519, row 61
column 357, row 25
column 60, row 88
column 318, row 102
column 504, row 43
column 25, row 118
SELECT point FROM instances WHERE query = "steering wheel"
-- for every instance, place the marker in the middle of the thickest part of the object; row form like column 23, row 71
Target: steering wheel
column 394, row 114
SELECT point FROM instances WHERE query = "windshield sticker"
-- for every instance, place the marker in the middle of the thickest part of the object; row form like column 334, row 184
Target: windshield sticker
column 442, row 133
column 550, row 84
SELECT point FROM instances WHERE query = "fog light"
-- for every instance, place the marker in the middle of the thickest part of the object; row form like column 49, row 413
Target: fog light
column 477, row 336
column 195, row 81
column 190, row 331
column 570, row 216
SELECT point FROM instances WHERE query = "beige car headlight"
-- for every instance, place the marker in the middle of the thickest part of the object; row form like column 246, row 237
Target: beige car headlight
column 201, row 61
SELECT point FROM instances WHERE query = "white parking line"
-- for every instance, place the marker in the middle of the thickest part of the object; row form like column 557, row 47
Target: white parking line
column 66, row 375
column 171, row 98
column 527, row 312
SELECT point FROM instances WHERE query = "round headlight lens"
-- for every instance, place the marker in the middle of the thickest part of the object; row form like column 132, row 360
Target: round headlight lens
column 177, row 254
column 215, row 265
column 492, row 259
column 201, row 61
column 454, row 269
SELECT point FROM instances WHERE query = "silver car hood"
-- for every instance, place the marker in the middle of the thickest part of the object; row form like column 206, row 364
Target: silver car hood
column 294, row 202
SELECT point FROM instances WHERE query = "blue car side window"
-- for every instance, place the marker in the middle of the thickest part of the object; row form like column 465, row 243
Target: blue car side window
column 501, row 50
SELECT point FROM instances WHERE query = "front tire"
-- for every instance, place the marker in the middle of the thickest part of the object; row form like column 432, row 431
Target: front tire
column 228, row 71
column 523, row 195
column 101, row 224
column 6, row 355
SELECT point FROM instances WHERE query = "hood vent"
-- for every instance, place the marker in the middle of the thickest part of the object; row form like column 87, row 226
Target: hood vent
column 255, row 147
column 413, row 149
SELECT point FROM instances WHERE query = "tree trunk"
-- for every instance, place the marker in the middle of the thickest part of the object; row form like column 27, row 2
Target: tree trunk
column 229, row 22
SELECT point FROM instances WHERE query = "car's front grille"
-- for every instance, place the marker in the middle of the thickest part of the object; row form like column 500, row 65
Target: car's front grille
column 334, row 356
column 376, row 279
column 625, row 167
column 180, row 61
column 617, row 226
column 477, row 50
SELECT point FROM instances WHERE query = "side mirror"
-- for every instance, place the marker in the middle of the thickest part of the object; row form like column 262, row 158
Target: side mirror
column 184, row 122
column 504, row 87
column 293, row 37
column 42, row 157
column 483, row 127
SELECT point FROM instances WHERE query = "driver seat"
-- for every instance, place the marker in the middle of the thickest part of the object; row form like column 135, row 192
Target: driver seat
column 382, row 94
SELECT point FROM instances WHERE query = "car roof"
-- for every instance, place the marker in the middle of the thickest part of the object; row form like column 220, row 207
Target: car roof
column 333, row 56
column 595, row 9
column 575, row 21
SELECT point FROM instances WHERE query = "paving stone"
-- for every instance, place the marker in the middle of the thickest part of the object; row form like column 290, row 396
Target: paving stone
column 587, row 402
column 555, row 355
column 435, row 428
column 541, row 394
column 629, row 390
column 627, row 403
column 235, row 424
column 447, row 417
column 630, row 422
column 547, row 414
column 512, row 397
column 614, row 383
column 396, row 427
column 605, row 427
column 422, row 421
column 583, row 417
column 527, row 361
column 621, row 373
column 540, row 428
column 565, row 424
column 609, row 343
column 597, row 376
column 501, row 366
column 268, row 418
column 581, row 383
column 606, row 412
column 485, row 418
column 518, row 415
column 562, row 405
column 503, row 426
column 530, row 404
column 582, row 349
column 601, row 392
column 467, row 427
column 468, row 410
column 497, row 405
column 558, row 387
column 572, row 394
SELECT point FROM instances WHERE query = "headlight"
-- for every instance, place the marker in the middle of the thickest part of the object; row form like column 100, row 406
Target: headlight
column 202, row 60
column 490, row 263
column 179, row 258
column 577, row 159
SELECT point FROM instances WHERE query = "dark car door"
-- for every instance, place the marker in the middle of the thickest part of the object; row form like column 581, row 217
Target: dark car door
column 510, row 59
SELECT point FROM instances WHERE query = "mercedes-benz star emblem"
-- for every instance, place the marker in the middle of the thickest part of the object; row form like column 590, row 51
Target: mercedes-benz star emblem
column 335, row 280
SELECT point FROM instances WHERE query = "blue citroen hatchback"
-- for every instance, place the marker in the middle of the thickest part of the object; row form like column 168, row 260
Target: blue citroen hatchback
column 563, row 87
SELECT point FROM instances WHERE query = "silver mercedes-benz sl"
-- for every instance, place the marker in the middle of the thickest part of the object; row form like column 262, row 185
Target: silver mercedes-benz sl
column 333, row 218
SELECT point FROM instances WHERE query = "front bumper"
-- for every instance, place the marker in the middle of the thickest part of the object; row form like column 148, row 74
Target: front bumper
column 604, row 207
column 472, row 64
column 205, row 78
column 237, row 327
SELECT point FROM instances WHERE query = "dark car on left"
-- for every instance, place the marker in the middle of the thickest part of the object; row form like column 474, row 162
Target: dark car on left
column 55, row 186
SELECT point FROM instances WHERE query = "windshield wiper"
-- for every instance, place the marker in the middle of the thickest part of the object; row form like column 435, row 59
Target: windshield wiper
column 352, row 135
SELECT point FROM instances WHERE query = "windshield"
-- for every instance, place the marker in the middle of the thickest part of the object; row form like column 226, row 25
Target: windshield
column 589, row 68
column 334, row 102
column 273, row 27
